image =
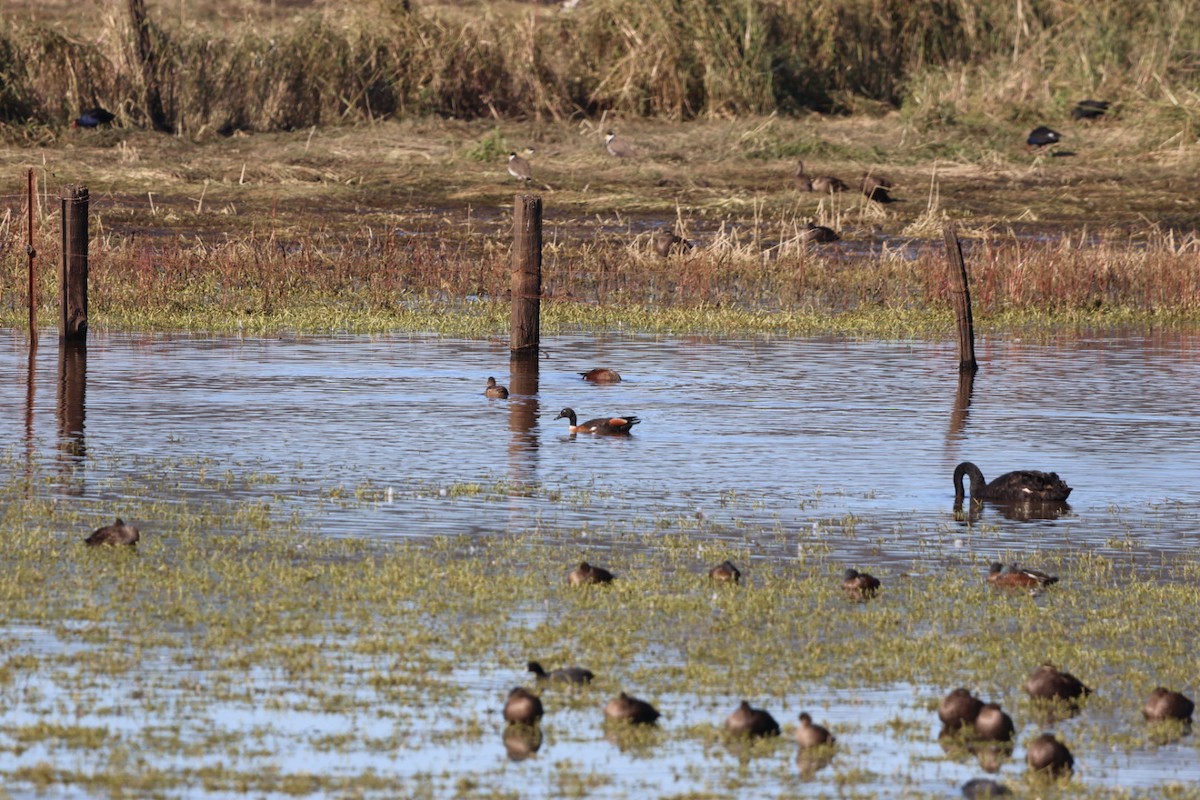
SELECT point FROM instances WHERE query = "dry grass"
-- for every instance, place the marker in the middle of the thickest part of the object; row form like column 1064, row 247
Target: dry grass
column 293, row 65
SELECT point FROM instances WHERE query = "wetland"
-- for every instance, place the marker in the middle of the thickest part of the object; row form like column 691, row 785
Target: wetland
column 348, row 554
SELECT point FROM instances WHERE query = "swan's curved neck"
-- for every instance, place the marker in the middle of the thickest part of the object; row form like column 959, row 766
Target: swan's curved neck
column 971, row 471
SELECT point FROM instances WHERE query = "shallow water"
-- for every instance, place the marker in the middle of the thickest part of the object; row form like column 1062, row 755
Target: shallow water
column 735, row 435
column 778, row 444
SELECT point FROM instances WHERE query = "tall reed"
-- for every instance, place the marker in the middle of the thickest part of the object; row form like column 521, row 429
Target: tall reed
column 944, row 60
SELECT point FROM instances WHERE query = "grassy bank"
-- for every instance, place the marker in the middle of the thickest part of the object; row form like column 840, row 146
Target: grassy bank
column 393, row 283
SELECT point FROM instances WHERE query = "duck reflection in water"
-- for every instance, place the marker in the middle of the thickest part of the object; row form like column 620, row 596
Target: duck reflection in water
column 1016, row 510
column 522, row 741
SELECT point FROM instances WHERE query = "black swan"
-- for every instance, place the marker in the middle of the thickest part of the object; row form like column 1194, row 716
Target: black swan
column 1022, row 484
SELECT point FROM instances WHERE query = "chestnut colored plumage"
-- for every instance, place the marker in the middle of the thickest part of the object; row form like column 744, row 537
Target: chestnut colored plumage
column 1166, row 704
column 119, row 533
column 624, row 708
column 576, row 675
column 993, row 724
column 1049, row 754
column 823, row 184
column 585, row 574
column 859, row 585
column 959, row 708
column 1014, row 576
column 523, row 707
column 667, row 241
column 810, row 735
column 818, row 233
column 600, row 425
column 1049, row 683
column 602, row 375
column 749, row 721
column 875, row 187
column 725, row 572
column 494, row 391
column 1024, row 484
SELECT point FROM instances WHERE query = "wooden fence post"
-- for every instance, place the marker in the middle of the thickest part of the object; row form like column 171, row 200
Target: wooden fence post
column 961, row 294
column 73, row 300
column 32, row 253
column 526, row 276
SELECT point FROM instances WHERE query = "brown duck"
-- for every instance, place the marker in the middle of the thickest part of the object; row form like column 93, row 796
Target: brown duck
column 1049, row 683
column 725, row 572
column 585, row 574
column 1166, row 704
column 523, row 707
column 601, row 375
column 810, row 735
column 1046, row 753
column 119, row 533
column 823, row 184
column 859, row 585
column 753, row 722
column 624, row 708
column 494, row 391
column 959, row 708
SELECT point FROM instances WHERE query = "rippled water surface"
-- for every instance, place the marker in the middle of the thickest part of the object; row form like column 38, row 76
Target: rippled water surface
column 799, row 438
column 810, row 430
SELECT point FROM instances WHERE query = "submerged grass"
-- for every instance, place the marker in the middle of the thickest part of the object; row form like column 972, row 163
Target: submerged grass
column 410, row 644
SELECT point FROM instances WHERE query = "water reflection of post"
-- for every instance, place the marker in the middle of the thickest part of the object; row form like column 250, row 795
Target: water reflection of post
column 30, row 396
column 522, row 417
column 962, row 402
column 72, row 389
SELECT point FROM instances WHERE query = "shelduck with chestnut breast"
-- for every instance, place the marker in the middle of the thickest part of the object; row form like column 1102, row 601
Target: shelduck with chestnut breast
column 1018, row 577
column 1047, row 754
column 993, row 724
column 586, row 574
column 523, row 707
column 859, row 585
column 810, row 735
column 1049, row 683
column 624, row 708
column 958, row 709
column 1166, row 704
column 1022, row 484
column 600, row 425
column 752, row 722
column 725, row 572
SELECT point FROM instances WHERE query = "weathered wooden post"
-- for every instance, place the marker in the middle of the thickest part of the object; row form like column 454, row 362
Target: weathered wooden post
column 961, row 293
column 73, row 300
column 526, row 277
column 32, row 253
